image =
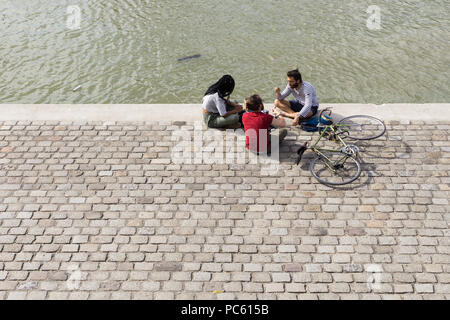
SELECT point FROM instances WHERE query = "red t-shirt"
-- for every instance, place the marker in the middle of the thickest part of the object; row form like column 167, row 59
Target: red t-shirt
column 256, row 126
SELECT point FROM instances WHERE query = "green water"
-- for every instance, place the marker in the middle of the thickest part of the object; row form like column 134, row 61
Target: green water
column 127, row 51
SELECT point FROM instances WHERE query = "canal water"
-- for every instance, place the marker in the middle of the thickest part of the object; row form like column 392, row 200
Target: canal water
column 148, row 51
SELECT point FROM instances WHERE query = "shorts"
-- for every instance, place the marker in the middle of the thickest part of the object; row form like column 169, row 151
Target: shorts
column 297, row 106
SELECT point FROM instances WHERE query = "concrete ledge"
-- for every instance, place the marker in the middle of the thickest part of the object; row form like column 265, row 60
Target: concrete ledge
column 192, row 112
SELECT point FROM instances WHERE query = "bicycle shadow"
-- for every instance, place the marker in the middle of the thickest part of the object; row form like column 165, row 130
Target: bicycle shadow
column 366, row 145
column 387, row 141
column 368, row 148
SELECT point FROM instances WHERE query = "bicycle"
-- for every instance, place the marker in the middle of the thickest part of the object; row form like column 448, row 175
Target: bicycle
column 341, row 166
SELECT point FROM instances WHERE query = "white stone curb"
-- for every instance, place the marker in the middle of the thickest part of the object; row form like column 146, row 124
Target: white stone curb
column 192, row 112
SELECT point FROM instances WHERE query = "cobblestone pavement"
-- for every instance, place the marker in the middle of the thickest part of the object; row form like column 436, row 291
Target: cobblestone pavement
column 101, row 211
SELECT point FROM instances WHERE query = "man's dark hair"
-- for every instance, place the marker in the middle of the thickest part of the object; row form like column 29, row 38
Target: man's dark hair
column 224, row 87
column 295, row 74
column 254, row 102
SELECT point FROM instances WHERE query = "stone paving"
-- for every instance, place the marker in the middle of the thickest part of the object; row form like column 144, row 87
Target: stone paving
column 100, row 210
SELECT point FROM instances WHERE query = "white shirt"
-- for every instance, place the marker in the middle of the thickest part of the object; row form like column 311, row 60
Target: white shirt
column 213, row 103
column 306, row 95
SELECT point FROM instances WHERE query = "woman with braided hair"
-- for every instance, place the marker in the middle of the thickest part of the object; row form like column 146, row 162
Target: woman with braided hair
column 218, row 110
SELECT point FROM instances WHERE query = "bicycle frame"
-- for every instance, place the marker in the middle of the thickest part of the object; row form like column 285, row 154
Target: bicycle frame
column 320, row 151
column 346, row 153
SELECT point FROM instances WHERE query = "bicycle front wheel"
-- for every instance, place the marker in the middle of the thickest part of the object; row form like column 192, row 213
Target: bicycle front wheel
column 335, row 169
column 361, row 127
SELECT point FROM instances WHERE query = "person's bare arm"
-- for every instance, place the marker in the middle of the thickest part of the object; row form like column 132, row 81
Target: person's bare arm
column 236, row 109
column 282, row 95
column 231, row 103
column 298, row 118
column 306, row 112
column 222, row 107
column 278, row 122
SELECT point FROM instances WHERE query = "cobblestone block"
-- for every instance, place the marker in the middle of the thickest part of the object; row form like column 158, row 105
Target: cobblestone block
column 136, row 225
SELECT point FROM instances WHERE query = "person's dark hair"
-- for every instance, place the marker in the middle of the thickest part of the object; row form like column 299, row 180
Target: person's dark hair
column 295, row 74
column 254, row 102
column 224, row 87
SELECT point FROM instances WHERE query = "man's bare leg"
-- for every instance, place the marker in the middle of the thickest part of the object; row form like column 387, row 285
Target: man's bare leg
column 276, row 111
column 281, row 113
column 299, row 119
column 285, row 108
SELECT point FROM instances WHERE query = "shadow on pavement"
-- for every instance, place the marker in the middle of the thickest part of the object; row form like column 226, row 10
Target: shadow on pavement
column 369, row 170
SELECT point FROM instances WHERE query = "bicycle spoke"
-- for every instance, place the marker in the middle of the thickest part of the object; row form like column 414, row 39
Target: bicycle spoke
column 338, row 171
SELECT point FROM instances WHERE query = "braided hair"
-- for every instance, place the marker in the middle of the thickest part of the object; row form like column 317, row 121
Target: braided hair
column 224, row 87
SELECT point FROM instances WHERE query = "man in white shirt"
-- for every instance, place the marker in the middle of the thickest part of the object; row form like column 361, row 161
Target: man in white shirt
column 305, row 104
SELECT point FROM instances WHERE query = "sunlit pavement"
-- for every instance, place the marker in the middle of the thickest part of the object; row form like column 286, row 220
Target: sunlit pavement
column 101, row 210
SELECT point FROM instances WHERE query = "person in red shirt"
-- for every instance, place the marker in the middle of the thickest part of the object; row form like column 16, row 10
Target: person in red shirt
column 257, row 125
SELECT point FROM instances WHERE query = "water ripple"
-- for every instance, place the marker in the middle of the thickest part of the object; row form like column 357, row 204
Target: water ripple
column 127, row 50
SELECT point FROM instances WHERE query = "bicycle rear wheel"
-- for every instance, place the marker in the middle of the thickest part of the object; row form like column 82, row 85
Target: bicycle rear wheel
column 361, row 127
column 336, row 169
